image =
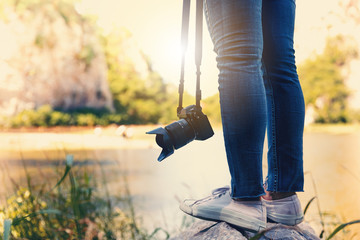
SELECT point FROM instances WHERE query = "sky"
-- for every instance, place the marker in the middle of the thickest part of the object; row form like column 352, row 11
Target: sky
column 156, row 26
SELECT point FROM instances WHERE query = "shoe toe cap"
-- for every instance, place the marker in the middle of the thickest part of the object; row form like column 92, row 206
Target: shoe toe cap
column 185, row 206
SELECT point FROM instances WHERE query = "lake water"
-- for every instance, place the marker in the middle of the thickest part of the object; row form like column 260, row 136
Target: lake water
column 331, row 161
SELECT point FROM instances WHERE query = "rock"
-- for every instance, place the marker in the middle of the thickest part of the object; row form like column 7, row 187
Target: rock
column 49, row 61
column 206, row 230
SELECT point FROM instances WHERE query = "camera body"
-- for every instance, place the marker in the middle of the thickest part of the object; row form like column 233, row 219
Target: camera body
column 198, row 120
column 193, row 125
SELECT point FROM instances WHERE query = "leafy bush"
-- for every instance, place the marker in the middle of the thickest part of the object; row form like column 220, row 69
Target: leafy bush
column 72, row 209
column 45, row 116
column 60, row 119
column 86, row 119
column 323, row 82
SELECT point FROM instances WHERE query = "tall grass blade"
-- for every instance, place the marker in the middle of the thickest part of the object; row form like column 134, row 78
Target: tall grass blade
column 308, row 204
column 322, row 222
column 18, row 220
column 7, row 228
column 69, row 163
column 157, row 230
column 259, row 235
column 75, row 202
column 341, row 227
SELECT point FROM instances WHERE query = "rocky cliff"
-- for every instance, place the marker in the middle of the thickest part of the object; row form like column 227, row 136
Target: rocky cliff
column 50, row 55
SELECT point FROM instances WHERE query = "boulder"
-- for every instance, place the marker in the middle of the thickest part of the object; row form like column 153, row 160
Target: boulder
column 206, row 230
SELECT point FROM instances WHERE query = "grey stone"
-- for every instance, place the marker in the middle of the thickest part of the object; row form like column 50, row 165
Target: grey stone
column 54, row 73
column 50, row 62
column 206, row 230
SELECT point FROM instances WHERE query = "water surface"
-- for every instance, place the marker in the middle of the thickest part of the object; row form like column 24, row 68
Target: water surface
column 331, row 163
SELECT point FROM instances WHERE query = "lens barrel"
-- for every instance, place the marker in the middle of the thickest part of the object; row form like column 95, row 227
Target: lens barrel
column 179, row 133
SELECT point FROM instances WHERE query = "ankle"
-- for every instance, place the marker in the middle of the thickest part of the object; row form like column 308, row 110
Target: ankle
column 277, row 195
column 247, row 199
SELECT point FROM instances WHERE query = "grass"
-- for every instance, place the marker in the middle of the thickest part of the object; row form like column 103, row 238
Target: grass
column 331, row 225
column 333, row 128
column 79, row 206
column 72, row 209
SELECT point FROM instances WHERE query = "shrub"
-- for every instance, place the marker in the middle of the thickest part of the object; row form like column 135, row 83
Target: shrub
column 45, row 116
column 72, row 209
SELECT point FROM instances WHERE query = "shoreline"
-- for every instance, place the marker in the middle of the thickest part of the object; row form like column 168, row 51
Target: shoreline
column 75, row 138
column 110, row 137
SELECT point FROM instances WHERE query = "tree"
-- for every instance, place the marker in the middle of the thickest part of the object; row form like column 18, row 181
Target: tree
column 68, row 63
column 142, row 97
column 323, row 82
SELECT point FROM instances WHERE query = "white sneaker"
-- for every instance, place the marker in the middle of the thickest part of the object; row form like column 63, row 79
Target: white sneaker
column 286, row 211
column 250, row 215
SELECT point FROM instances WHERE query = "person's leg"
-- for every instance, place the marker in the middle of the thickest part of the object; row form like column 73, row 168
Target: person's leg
column 285, row 99
column 285, row 103
column 236, row 30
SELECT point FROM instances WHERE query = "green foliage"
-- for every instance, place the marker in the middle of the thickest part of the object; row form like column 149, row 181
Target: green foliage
column 331, row 223
column 340, row 227
column 45, row 116
column 87, row 54
column 323, row 82
column 138, row 98
column 59, row 119
column 72, row 209
column 28, row 118
column 308, row 204
column 86, row 119
column 211, row 106
column 139, row 111
column 143, row 99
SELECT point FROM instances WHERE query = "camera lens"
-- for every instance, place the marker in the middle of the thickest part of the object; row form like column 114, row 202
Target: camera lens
column 194, row 125
column 174, row 136
column 181, row 133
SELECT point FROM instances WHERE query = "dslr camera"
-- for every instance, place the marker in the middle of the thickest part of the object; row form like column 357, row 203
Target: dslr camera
column 193, row 125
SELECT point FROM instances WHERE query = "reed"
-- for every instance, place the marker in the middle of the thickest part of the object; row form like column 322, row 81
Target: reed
column 331, row 224
column 72, row 208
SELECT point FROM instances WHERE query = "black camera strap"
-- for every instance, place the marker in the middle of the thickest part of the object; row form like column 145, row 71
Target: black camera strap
column 198, row 48
column 184, row 42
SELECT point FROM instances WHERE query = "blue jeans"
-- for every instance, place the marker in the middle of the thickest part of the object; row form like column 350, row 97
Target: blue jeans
column 259, row 91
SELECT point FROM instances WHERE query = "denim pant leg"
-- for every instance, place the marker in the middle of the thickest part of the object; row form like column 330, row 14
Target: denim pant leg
column 285, row 99
column 236, row 30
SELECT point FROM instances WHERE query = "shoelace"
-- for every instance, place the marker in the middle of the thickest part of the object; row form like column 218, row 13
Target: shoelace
column 221, row 190
column 216, row 193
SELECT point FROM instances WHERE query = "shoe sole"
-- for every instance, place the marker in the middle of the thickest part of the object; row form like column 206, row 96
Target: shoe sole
column 240, row 220
column 289, row 220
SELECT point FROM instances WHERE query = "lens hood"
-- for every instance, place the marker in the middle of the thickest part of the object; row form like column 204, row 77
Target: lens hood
column 164, row 141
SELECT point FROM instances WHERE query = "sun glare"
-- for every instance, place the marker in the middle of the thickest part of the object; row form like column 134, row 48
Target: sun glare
column 156, row 27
